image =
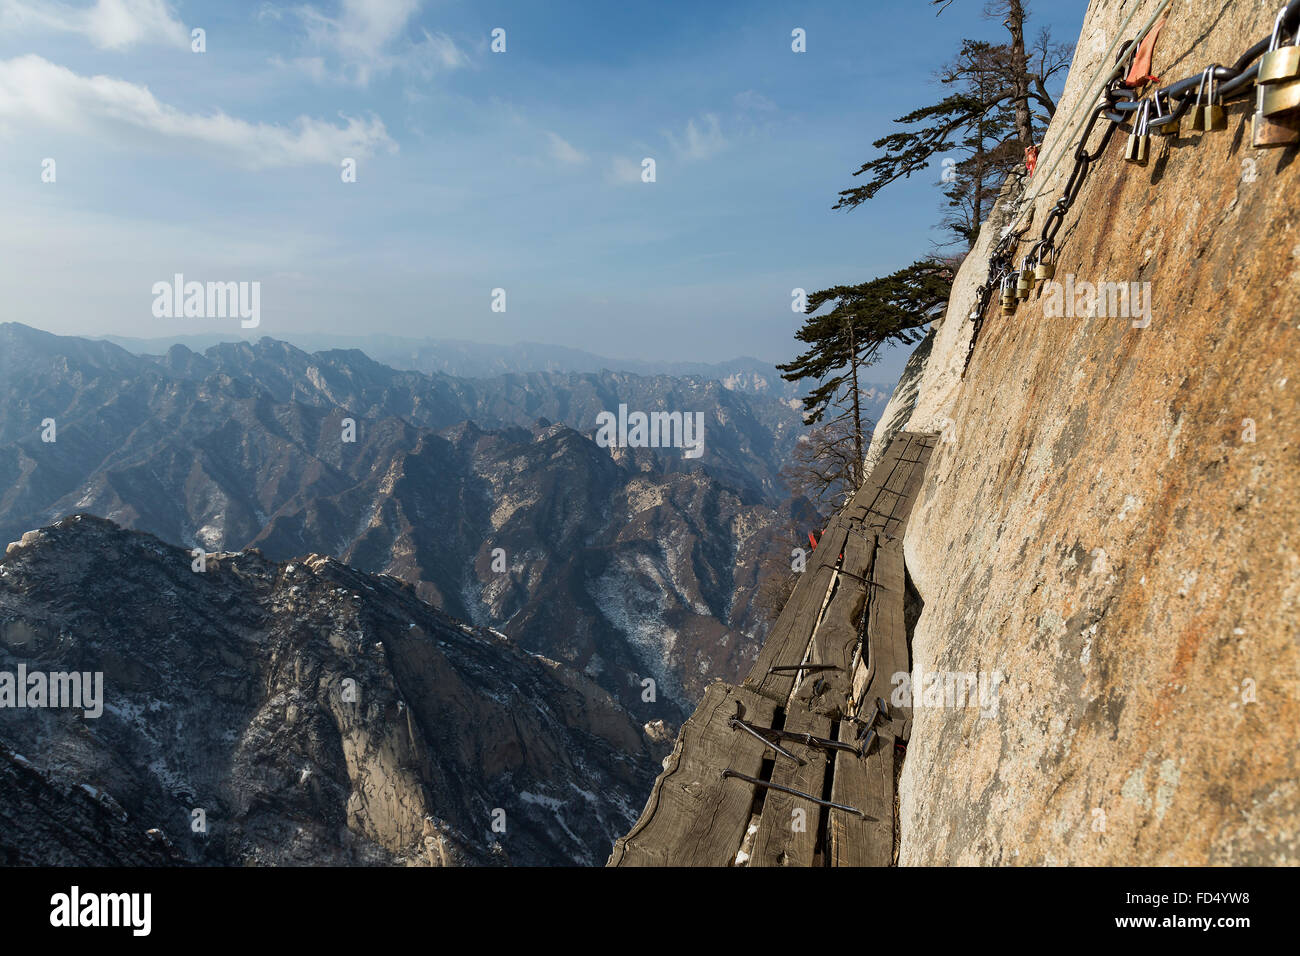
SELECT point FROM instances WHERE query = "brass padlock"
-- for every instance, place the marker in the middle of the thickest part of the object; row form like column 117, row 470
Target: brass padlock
column 1138, row 147
column 1280, row 130
column 1280, row 63
column 1023, row 285
column 1215, row 116
column 1280, row 98
column 1046, row 268
column 1008, row 296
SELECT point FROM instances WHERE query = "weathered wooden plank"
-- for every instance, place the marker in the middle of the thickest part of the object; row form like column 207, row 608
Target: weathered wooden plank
column 915, row 482
column 786, row 837
column 867, row 497
column 886, row 629
column 896, row 496
column 888, row 487
column 694, row 817
column 868, row 782
column 836, row 638
column 863, row 665
column 898, row 485
column 788, row 641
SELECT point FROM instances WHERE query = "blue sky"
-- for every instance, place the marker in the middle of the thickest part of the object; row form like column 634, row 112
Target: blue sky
column 475, row 170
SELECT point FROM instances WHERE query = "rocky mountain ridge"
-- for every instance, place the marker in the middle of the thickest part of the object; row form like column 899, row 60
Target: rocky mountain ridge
column 303, row 712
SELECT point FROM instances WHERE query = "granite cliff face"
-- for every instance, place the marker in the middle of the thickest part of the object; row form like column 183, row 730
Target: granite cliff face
column 1110, row 520
column 312, row 713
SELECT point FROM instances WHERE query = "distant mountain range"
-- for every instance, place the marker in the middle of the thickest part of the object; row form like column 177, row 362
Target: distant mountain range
column 634, row 572
column 464, row 359
column 488, row 495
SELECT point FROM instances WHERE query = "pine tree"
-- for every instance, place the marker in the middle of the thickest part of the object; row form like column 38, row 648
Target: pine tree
column 864, row 318
column 988, row 121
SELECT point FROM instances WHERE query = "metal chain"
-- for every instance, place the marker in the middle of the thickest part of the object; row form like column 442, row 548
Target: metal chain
column 1234, row 82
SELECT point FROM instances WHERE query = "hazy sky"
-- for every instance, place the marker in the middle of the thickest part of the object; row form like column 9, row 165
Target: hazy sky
column 475, row 170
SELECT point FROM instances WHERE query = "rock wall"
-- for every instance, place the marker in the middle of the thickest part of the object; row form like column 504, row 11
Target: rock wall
column 1111, row 524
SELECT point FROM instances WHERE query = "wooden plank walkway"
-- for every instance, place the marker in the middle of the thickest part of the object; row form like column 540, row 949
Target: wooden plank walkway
column 787, row 837
column 845, row 620
column 835, row 640
column 869, row 780
column 885, row 500
column 788, row 643
column 694, row 817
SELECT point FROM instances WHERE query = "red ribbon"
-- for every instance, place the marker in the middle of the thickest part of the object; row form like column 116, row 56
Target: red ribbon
column 1140, row 71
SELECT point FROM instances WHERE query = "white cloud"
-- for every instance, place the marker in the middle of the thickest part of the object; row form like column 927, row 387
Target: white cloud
column 368, row 37
column 700, row 141
column 444, row 49
column 109, row 24
column 563, row 151
column 35, row 92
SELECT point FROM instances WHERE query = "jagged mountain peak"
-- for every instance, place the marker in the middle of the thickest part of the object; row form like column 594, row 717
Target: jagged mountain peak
column 312, row 711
